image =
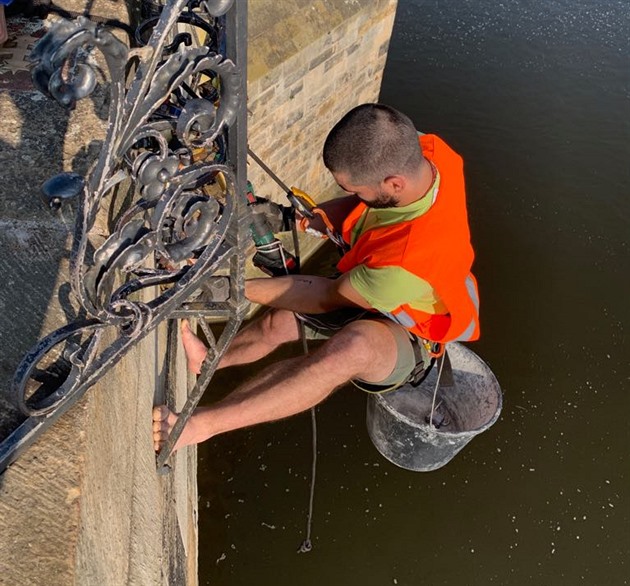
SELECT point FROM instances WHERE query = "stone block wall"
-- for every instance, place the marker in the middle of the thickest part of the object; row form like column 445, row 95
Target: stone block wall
column 308, row 64
column 84, row 505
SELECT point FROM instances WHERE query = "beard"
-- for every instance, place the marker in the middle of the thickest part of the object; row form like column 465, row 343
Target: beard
column 383, row 200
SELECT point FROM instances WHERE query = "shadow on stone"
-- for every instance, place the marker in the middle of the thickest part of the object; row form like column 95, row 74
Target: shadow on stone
column 39, row 139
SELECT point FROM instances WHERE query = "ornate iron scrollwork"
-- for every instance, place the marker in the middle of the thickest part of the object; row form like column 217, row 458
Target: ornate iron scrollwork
column 176, row 142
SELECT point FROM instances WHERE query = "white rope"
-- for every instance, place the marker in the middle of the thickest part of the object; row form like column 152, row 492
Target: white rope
column 306, row 545
column 437, row 386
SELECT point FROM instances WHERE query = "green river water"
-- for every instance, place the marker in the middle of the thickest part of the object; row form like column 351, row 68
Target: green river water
column 535, row 95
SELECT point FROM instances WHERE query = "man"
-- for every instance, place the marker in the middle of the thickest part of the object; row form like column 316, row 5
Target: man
column 405, row 282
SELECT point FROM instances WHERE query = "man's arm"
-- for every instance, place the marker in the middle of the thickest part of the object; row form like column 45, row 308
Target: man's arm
column 304, row 293
column 336, row 209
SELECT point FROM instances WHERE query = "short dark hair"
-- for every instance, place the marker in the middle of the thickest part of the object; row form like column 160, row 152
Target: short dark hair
column 372, row 142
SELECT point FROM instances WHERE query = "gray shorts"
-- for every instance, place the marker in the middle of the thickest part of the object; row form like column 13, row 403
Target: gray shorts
column 412, row 355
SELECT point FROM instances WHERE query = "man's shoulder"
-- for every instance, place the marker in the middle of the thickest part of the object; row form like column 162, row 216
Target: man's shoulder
column 438, row 150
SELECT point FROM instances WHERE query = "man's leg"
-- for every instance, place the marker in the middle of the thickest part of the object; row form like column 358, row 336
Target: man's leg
column 253, row 342
column 364, row 349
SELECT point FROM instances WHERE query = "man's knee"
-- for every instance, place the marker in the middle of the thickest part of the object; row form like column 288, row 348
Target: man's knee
column 364, row 341
column 368, row 347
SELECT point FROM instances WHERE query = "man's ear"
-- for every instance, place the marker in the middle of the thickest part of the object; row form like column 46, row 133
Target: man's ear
column 395, row 183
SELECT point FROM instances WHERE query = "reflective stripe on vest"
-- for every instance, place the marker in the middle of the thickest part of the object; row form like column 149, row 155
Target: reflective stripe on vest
column 472, row 326
column 401, row 317
column 404, row 319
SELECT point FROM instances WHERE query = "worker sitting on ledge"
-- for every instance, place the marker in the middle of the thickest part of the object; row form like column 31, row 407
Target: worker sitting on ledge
column 405, row 287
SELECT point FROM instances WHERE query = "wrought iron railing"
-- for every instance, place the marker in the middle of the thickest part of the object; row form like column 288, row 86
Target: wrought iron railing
column 176, row 145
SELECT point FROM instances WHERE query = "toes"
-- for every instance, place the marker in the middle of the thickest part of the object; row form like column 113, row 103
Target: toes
column 159, row 438
column 160, row 435
column 163, row 416
column 163, row 421
column 160, row 413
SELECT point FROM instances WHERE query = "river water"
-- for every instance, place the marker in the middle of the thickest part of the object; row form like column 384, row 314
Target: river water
column 535, row 94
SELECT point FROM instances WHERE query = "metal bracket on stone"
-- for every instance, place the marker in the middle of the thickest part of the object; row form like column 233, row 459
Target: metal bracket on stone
column 176, row 140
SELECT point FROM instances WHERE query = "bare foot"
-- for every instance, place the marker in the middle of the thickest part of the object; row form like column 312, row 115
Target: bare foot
column 195, row 349
column 164, row 420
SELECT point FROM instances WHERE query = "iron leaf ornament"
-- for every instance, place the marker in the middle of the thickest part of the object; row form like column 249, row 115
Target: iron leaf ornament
column 171, row 142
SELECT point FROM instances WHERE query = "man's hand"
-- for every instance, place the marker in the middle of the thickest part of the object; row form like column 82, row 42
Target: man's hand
column 338, row 209
column 314, row 226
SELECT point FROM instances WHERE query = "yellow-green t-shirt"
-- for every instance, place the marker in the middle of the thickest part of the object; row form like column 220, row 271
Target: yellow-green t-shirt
column 386, row 288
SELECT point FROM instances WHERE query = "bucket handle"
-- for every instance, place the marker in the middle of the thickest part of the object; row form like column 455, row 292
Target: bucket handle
column 444, row 380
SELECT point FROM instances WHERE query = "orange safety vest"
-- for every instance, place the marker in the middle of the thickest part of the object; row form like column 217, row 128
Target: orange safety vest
column 434, row 246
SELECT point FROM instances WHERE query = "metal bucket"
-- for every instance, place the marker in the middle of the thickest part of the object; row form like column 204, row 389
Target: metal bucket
column 398, row 421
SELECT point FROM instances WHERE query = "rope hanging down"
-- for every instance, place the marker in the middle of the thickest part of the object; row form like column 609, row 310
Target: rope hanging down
column 266, row 244
column 307, row 545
